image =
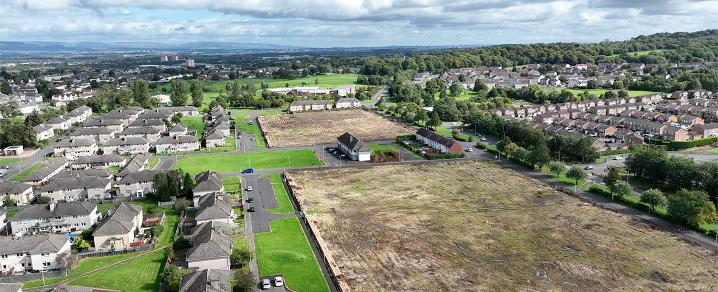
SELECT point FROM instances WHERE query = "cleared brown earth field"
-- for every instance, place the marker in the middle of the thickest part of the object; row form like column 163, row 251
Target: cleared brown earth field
column 475, row 226
column 323, row 127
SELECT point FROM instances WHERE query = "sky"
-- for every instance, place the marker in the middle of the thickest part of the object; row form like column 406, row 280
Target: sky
column 350, row 23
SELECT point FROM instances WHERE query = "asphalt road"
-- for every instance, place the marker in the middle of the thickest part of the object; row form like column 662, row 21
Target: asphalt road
column 166, row 162
column 39, row 156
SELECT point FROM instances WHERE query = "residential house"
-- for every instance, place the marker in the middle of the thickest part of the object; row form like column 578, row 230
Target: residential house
column 706, row 130
column 59, row 123
column 56, row 217
column 152, row 134
column 79, row 115
column 32, row 253
column 211, row 247
column 184, row 143
column 347, row 102
column 673, row 133
column 77, row 188
column 99, row 161
column 137, row 184
column 354, row 148
column 213, row 208
column 309, row 105
column 206, row 183
column 207, row 280
column 115, row 124
column 177, row 130
column 214, row 139
column 136, row 164
column 43, row 132
column 156, row 114
column 143, row 123
column 44, row 173
column 75, row 147
column 99, row 134
column 19, row 192
column 437, row 142
column 127, row 145
column 188, row 111
column 117, row 230
column 690, row 120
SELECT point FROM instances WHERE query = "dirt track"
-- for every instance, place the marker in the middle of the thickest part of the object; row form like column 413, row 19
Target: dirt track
column 475, row 226
column 323, row 127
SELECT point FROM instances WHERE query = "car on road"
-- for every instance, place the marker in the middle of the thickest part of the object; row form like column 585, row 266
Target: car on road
column 250, row 200
column 588, row 167
column 249, row 188
column 617, row 158
column 483, row 139
column 469, row 150
column 278, row 281
column 250, row 209
column 250, row 122
column 266, row 284
column 248, row 170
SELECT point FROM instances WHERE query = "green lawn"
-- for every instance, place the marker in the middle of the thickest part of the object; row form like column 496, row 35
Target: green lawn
column 23, row 174
column 285, row 205
column 152, row 162
column 83, row 266
column 444, row 132
column 194, row 124
column 232, row 184
column 466, row 94
column 8, row 161
column 383, row 148
column 142, row 274
column 561, row 178
column 286, row 250
column 236, row 162
column 272, row 112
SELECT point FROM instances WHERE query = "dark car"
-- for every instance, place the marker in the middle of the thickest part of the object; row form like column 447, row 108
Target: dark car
column 248, row 170
column 251, row 209
column 250, row 200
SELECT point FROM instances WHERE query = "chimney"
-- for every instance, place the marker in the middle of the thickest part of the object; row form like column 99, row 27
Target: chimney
column 52, row 206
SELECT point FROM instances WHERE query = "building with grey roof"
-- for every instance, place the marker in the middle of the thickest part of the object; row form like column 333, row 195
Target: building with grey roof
column 354, row 148
column 44, row 173
column 177, row 130
column 213, row 208
column 136, row 164
column 184, row 143
column 76, row 188
column 43, row 132
column 211, row 247
column 117, row 230
column 60, row 217
column 19, row 192
column 32, row 253
column 99, row 161
column 207, row 182
column 99, row 134
column 152, row 134
column 75, row 147
column 207, row 281
column 127, row 145
column 137, row 184
column 214, row 139
column 114, row 124
column 75, row 173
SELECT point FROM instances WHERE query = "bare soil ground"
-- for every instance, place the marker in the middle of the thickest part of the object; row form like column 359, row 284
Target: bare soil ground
column 323, row 127
column 475, row 226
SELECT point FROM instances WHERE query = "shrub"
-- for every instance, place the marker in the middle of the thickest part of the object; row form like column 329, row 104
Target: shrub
column 180, row 243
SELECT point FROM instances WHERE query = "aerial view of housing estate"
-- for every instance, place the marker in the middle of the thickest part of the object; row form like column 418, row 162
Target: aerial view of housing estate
column 358, row 146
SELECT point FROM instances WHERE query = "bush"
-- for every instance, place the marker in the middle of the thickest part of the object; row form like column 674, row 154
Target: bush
column 181, row 243
column 240, row 257
column 242, row 280
column 680, row 145
column 157, row 230
column 462, row 137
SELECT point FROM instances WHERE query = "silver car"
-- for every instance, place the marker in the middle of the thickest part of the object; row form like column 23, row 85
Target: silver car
column 266, row 284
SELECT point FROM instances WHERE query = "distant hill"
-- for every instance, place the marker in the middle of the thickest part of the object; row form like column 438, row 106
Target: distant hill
column 41, row 46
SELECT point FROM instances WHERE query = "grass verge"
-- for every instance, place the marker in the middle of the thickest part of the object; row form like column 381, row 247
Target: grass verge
column 235, row 162
column 27, row 171
column 280, row 193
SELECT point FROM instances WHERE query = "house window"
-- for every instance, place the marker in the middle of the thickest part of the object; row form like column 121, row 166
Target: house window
column 46, row 264
column 3, row 256
column 19, row 254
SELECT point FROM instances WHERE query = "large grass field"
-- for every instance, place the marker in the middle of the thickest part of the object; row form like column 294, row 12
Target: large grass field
column 195, row 124
column 27, row 171
column 280, row 193
column 477, row 226
column 236, row 162
column 286, row 250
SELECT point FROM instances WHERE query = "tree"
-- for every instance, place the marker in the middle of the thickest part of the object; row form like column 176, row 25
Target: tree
column 455, row 89
column 173, row 277
column 479, row 85
column 240, row 257
column 434, row 120
column 614, row 175
column 242, row 280
column 5, row 88
column 178, row 93
column 501, row 145
column 80, row 244
column 654, row 198
column 43, row 200
column 196, row 89
column 576, row 174
column 540, row 155
column 16, row 132
column 187, row 186
column 140, row 93
column 10, row 202
column 691, row 208
column 620, row 189
column 557, row 167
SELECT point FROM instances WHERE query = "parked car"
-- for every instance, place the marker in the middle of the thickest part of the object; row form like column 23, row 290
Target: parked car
column 469, row 149
column 248, row 170
column 250, row 200
column 278, row 281
column 617, row 158
column 249, row 188
column 250, row 122
column 265, row 284
column 588, row 167
column 483, row 139
column 250, row 209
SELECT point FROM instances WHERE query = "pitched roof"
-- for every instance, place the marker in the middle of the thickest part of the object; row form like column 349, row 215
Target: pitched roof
column 74, row 183
column 211, row 207
column 139, row 131
column 436, row 137
column 210, row 280
column 99, row 159
column 208, row 242
column 119, row 220
column 12, row 187
column 33, row 244
column 91, row 131
column 126, row 141
column 176, row 139
column 136, row 164
column 146, row 123
column 139, row 177
column 75, row 142
column 41, row 128
column 62, row 209
column 208, row 181
column 76, row 173
column 352, row 142
column 178, row 128
column 49, row 167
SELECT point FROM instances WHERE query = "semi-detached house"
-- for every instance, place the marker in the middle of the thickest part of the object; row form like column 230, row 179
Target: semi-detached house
column 437, row 142
column 117, row 230
column 19, row 192
column 127, row 145
column 137, row 184
column 32, row 253
column 77, row 188
column 99, row 134
column 61, row 217
column 211, row 247
column 75, row 147
column 184, row 143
